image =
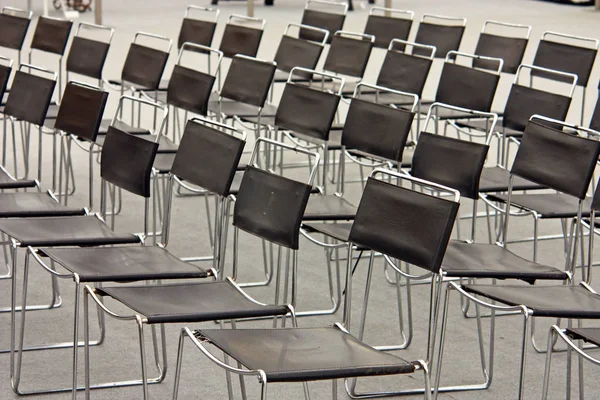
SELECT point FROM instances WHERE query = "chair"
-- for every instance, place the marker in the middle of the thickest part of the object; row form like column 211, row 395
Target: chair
column 571, row 178
column 14, row 24
column 393, row 24
column 327, row 15
column 87, row 55
column 508, row 44
column 443, row 33
column 387, row 221
column 240, row 39
column 568, row 53
column 276, row 220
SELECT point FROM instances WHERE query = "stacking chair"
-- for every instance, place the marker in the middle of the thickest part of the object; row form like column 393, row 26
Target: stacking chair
column 268, row 206
column 545, row 156
column 443, row 33
column 568, row 53
column 239, row 39
column 88, row 51
column 324, row 14
column 393, row 24
column 505, row 41
column 27, row 103
column 387, row 221
column 14, row 24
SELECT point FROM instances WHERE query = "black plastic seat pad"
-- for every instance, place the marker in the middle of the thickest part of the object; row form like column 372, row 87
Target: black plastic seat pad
column 34, row 204
column 328, row 207
column 548, row 205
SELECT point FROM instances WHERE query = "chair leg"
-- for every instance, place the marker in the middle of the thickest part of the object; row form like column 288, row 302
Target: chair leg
column 552, row 336
column 143, row 357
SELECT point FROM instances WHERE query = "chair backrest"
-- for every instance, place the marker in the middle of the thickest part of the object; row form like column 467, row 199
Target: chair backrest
column 444, row 33
column 51, row 35
column 248, row 80
column 466, row 86
column 198, row 31
column 377, row 129
column 30, row 95
column 208, row 155
column 450, row 162
column 307, row 110
column 331, row 20
column 13, row 27
column 145, row 65
column 404, row 71
column 5, row 72
column 271, row 206
column 577, row 58
column 524, row 101
column 295, row 52
column 559, row 160
column 190, row 89
column 127, row 161
column 506, row 45
column 239, row 39
column 349, row 53
column 401, row 223
column 87, row 56
column 81, row 110
column 393, row 24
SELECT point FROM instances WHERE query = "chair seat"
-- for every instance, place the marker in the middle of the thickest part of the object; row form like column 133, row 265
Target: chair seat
column 305, row 354
column 388, row 98
column 165, row 145
column 544, row 301
column 548, row 205
column 407, row 156
column 446, row 113
column 34, row 204
column 590, row 335
column 8, row 182
column 164, row 162
column 480, row 260
column 129, row 85
column 64, row 231
column 161, row 96
column 264, row 121
column 334, row 86
column 338, row 231
column 495, row 179
column 52, row 112
column 335, row 140
column 121, row 126
column 481, row 125
column 123, row 264
column 234, row 189
column 328, row 207
column 235, row 108
column 282, row 77
column 191, row 302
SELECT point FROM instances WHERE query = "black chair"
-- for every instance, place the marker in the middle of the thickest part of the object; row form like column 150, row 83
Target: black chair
column 388, row 221
column 327, row 15
column 505, row 41
column 568, row 53
column 88, row 51
column 393, row 24
column 14, row 24
column 443, row 33
column 242, row 39
column 545, row 156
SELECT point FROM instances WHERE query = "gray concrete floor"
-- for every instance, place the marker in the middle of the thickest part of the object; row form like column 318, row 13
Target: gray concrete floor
column 118, row 357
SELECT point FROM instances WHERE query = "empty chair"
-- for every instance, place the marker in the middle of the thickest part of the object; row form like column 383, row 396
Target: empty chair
column 567, row 53
column 443, row 33
column 14, row 24
column 387, row 24
column 241, row 39
column 88, row 51
column 327, row 15
column 505, row 41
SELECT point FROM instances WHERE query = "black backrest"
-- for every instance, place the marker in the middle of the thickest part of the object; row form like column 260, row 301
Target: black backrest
column 376, row 129
column 306, row 111
column 523, row 102
column 467, row 87
column 13, row 30
column 81, row 110
column 595, row 121
column 87, row 57
column 558, row 160
column 208, row 157
column 404, row 72
column 51, row 35
column 239, row 39
column 144, row 66
column 509, row 49
column 271, row 206
column 444, row 37
column 293, row 52
column 127, row 161
column 404, row 224
column 5, row 72
column 196, row 31
column 331, row 22
column 190, row 89
column 248, row 80
column 567, row 58
column 348, row 55
column 29, row 98
column 450, row 162
column 386, row 28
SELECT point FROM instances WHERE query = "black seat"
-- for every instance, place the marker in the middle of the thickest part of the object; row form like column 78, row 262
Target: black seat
column 546, row 205
column 7, row 181
column 324, row 15
column 495, row 179
column 391, row 24
column 444, row 33
column 25, row 205
column 590, row 335
column 509, row 45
